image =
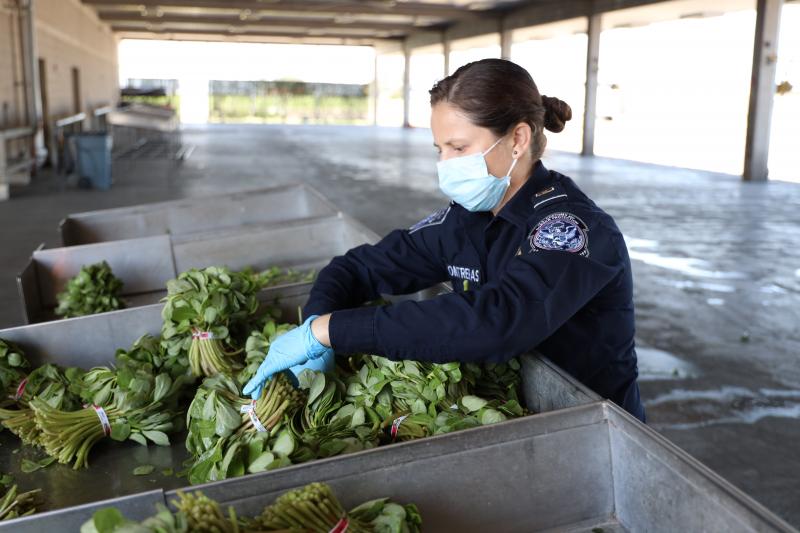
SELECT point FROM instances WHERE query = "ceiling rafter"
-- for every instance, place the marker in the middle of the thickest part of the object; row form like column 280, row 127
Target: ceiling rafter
column 390, row 7
column 248, row 33
column 115, row 17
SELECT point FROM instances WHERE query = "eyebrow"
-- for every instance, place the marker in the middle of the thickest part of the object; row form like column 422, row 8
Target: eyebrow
column 452, row 141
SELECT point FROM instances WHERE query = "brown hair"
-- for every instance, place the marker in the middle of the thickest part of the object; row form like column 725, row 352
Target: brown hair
column 498, row 94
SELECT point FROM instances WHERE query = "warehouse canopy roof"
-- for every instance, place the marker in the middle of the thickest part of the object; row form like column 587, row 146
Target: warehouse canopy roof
column 373, row 22
column 322, row 21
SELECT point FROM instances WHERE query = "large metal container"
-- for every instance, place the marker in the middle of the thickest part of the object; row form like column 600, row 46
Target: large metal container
column 145, row 264
column 92, row 340
column 192, row 215
column 591, row 466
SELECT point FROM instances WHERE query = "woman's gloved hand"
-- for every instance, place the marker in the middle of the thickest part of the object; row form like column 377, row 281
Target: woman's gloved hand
column 294, row 348
column 324, row 364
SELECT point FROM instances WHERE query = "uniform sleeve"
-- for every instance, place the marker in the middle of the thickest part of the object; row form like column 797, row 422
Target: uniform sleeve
column 540, row 290
column 403, row 262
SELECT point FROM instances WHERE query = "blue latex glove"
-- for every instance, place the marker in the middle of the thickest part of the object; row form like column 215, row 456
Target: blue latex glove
column 322, row 364
column 296, row 347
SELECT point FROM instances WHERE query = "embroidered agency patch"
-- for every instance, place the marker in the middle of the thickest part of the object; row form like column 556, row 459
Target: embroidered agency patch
column 431, row 220
column 562, row 232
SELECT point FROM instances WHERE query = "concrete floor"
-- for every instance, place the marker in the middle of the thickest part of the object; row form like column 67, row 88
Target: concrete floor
column 716, row 266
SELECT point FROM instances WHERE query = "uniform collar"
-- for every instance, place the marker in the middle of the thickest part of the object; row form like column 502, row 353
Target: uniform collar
column 519, row 209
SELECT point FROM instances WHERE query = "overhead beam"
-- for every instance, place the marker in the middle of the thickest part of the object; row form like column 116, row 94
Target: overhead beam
column 251, row 20
column 243, row 38
column 762, row 90
column 254, row 33
column 394, row 8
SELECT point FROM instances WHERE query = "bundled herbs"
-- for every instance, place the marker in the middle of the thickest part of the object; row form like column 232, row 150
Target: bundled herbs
column 310, row 509
column 419, row 399
column 13, row 365
column 230, row 435
column 202, row 307
column 94, row 290
column 314, row 508
column 51, row 386
column 137, row 400
column 328, row 425
column 258, row 344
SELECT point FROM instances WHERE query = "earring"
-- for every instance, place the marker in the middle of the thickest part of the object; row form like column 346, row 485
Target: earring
column 515, row 152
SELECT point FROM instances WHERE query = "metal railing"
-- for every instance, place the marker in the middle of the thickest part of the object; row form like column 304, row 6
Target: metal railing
column 60, row 157
column 15, row 161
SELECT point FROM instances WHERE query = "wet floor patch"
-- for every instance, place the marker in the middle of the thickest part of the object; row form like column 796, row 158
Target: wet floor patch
column 689, row 266
column 655, row 364
column 684, row 409
column 697, row 286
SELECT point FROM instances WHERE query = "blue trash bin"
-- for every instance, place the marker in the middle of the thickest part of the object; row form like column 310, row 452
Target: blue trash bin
column 94, row 158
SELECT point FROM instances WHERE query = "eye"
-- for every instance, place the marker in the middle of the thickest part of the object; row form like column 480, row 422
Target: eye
column 458, row 149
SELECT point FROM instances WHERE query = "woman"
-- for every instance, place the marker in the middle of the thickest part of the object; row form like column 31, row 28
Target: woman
column 534, row 263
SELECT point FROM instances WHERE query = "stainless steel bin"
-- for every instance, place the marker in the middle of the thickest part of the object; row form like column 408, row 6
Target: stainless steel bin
column 191, row 215
column 92, row 340
column 145, row 264
column 576, row 469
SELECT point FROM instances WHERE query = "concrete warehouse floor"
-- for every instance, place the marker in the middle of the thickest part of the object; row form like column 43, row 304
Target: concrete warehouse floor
column 716, row 264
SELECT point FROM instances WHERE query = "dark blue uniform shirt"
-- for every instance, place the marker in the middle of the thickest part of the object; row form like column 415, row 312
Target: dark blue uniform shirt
column 550, row 272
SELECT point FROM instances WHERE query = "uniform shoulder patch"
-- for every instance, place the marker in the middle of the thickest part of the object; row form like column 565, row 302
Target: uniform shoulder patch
column 563, row 232
column 433, row 219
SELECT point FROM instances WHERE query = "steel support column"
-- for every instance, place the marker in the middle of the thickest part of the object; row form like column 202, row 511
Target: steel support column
column 762, row 90
column 446, row 51
column 505, row 42
column 406, row 85
column 590, row 101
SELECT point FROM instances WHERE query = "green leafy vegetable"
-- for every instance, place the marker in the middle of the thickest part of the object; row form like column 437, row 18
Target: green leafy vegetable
column 143, row 470
column 94, row 290
column 14, row 504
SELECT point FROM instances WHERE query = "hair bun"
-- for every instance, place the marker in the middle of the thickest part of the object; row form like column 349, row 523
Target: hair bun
column 557, row 113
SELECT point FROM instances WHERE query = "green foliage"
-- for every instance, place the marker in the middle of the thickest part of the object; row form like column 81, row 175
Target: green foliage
column 94, row 290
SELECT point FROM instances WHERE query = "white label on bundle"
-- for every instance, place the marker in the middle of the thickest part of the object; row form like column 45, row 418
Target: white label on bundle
column 250, row 409
column 101, row 414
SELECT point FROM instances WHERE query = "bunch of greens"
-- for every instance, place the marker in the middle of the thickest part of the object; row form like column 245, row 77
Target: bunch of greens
column 137, row 400
column 419, row 399
column 110, row 520
column 226, row 439
column 201, row 308
column 258, row 343
column 149, row 350
column 94, row 290
column 310, row 509
column 495, row 381
column 314, row 508
column 328, row 425
column 392, row 387
column 52, row 386
column 14, row 504
column 13, row 365
column 204, row 514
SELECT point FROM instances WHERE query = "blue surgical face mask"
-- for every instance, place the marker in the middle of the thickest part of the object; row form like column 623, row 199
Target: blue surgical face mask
column 466, row 180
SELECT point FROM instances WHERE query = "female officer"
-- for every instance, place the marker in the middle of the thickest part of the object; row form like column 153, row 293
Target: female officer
column 534, row 263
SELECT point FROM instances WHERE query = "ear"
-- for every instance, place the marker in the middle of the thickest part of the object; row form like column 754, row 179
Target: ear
column 522, row 136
